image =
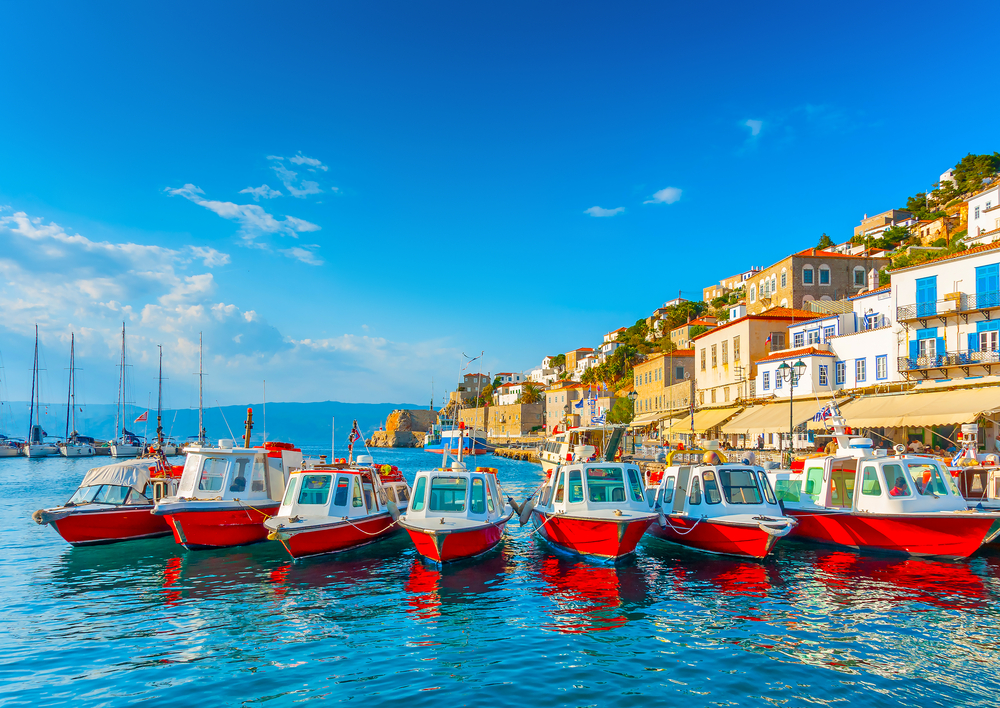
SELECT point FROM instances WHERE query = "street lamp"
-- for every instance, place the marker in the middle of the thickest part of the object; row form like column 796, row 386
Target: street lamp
column 632, row 395
column 791, row 374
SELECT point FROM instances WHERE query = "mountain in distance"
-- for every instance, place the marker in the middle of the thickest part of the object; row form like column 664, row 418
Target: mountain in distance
column 299, row 423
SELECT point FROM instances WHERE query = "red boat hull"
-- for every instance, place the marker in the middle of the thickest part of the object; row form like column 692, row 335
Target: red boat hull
column 339, row 537
column 706, row 535
column 456, row 545
column 939, row 535
column 220, row 528
column 110, row 526
column 591, row 537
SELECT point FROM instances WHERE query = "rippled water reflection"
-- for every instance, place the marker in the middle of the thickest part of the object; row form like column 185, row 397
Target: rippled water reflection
column 148, row 621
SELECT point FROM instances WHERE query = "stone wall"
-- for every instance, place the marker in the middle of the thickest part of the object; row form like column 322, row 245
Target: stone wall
column 404, row 428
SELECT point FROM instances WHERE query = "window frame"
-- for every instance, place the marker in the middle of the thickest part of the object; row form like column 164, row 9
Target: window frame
column 811, row 280
column 881, row 367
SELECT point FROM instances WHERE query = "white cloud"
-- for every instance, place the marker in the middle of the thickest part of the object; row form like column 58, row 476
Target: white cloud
column 261, row 192
column 600, row 211
column 301, row 159
column 754, row 126
column 669, row 195
column 303, row 254
column 298, row 187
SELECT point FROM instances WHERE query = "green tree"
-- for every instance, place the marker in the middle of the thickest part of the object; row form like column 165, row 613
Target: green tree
column 924, row 206
column 557, row 361
column 825, row 242
column 589, row 376
column 971, row 170
column 698, row 329
column 530, row 393
column 622, row 412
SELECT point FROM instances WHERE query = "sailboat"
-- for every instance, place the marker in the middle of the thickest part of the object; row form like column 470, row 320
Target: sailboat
column 36, row 445
column 169, row 449
column 75, row 446
column 9, row 447
column 125, row 444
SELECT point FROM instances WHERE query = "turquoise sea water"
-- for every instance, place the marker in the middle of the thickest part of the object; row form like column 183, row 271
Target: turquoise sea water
column 148, row 622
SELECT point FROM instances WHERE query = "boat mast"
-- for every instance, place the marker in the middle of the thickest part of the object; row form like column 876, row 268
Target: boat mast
column 201, row 377
column 71, row 393
column 118, row 403
column 34, row 377
column 159, row 400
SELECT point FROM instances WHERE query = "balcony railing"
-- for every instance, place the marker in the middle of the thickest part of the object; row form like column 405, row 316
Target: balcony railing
column 949, row 359
column 949, row 306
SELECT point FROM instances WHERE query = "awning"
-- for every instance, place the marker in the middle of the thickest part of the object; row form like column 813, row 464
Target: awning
column 134, row 473
column 919, row 410
column 641, row 421
column 704, row 420
column 771, row 418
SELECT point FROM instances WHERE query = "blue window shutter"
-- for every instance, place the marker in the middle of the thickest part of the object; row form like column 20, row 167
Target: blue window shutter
column 939, row 347
column 914, row 349
column 973, row 342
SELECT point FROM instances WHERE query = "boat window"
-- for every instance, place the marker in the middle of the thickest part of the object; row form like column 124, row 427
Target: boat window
column 448, row 494
column 258, row 479
column 290, row 492
column 381, row 495
column 84, row 495
column 787, row 489
column 668, row 490
column 895, row 480
column 404, row 494
column 418, row 494
column 635, row 486
column 740, row 486
column 343, row 486
column 240, row 480
column 315, row 488
column 137, row 497
column 546, row 495
column 369, row 497
column 391, row 494
column 356, row 499
column 559, row 488
column 575, row 486
column 842, row 487
column 712, row 495
column 213, row 474
column 766, row 486
column 111, row 494
column 606, row 484
column 869, row 482
column 927, row 479
column 477, row 500
column 695, row 491
column 489, row 499
column 814, row 480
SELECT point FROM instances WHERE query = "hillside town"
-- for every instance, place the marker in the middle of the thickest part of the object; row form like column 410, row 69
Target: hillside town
column 896, row 326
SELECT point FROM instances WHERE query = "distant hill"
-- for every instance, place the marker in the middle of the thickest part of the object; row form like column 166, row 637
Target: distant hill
column 301, row 423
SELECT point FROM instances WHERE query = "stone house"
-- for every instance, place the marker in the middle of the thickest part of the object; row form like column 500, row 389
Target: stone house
column 655, row 378
column 476, row 418
column 874, row 226
column 516, row 420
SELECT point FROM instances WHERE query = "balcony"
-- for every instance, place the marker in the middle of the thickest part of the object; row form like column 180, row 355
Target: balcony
column 949, row 360
column 962, row 305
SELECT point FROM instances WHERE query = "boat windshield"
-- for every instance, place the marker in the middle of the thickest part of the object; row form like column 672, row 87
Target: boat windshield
column 575, row 486
column 290, row 492
column 896, row 480
column 418, row 494
column 84, row 495
column 667, row 496
column 343, row 487
column 213, row 474
column 740, row 486
column 634, row 485
column 315, row 489
column 929, row 481
column 606, row 484
column 101, row 494
column 477, row 500
column 448, row 494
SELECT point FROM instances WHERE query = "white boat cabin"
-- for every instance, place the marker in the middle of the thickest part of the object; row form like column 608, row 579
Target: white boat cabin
column 713, row 491
column 597, row 488
column 856, row 479
column 457, row 493
column 339, row 491
column 248, row 474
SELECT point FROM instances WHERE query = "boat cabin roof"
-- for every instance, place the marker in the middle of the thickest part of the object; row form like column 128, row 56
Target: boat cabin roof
column 457, row 491
column 713, row 490
column 588, row 487
column 339, row 492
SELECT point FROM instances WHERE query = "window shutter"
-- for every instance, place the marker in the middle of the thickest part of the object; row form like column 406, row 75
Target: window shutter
column 973, row 342
column 914, row 349
column 939, row 347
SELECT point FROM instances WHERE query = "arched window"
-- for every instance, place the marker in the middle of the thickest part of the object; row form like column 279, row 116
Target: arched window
column 824, row 274
column 807, row 275
column 807, row 298
column 784, row 302
column 784, row 278
column 753, row 293
column 826, row 298
column 859, row 276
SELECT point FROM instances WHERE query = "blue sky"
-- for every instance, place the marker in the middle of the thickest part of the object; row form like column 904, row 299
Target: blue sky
column 436, row 178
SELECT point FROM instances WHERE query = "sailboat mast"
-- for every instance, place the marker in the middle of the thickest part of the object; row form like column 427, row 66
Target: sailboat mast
column 34, row 377
column 159, row 400
column 201, row 378
column 70, row 399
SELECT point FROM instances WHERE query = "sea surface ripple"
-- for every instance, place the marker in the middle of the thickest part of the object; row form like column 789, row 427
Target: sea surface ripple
column 148, row 622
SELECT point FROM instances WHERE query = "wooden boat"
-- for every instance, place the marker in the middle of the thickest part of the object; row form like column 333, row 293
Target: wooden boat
column 711, row 505
column 456, row 513
column 592, row 509
column 114, row 503
column 871, row 501
column 329, row 508
column 226, row 492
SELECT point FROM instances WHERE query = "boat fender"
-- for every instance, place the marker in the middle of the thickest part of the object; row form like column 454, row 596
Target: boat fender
column 40, row 517
column 526, row 509
column 661, row 518
column 393, row 509
column 515, row 506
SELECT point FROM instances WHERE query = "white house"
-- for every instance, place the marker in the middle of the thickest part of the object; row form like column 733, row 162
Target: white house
column 816, row 379
column 507, row 394
column 950, row 309
column 508, row 377
column 984, row 217
column 543, row 375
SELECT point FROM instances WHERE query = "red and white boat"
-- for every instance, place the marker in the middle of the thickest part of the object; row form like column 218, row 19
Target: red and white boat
column 711, row 505
column 337, row 507
column 226, row 492
column 456, row 513
column 114, row 503
column 871, row 501
column 593, row 509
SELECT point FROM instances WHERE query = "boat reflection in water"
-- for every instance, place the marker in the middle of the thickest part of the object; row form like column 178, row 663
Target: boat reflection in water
column 691, row 572
column 429, row 587
column 589, row 598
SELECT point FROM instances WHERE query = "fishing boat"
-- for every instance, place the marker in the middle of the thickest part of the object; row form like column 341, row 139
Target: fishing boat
column 35, row 446
column 114, row 503
column 226, row 492
column 125, row 444
column 872, row 501
column 579, row 445
column 74, row 444
column 977, row 474
column 706, row 503
column 595, row 509
column 470, row 441
column 335, row 507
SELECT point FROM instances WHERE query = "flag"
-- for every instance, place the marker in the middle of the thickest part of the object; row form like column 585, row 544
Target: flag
column 768, row 340
column 822, row 414
column 144, row 417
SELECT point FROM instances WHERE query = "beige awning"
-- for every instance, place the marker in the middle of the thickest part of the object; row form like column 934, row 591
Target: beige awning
column 704, row 420
column 641, row 421
column 919, row 410
column 771, row 418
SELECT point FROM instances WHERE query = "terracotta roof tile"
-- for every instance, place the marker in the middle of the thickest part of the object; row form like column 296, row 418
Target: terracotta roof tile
column 817, row 253
column 777, row 313
column 982, row 248
column 791, row 353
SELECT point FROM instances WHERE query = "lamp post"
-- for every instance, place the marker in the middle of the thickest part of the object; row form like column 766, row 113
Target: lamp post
column 791, row 374
column 632, row 395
